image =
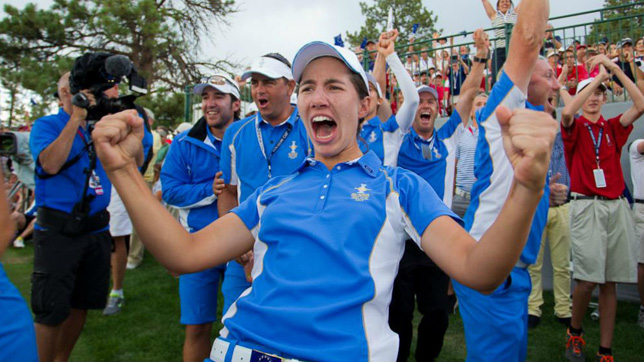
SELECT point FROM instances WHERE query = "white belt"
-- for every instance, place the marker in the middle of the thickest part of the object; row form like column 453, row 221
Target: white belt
column 240, row 353
column 462, row 193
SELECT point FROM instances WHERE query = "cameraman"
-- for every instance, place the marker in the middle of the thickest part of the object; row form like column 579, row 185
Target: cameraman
column 72, row 242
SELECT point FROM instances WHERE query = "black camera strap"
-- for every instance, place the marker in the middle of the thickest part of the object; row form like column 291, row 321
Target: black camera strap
column 68, row 163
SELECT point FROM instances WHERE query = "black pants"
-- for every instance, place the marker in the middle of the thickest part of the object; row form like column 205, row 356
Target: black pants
column 498, row 59
column 419, row 280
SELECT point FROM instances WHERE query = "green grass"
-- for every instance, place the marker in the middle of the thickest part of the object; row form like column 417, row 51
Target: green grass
column 148, row 329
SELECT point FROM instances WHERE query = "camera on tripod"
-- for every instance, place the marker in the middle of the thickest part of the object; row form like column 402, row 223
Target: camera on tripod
column 99, row 72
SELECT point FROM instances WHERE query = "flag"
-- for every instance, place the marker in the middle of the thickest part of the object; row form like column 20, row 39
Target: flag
column 33, row 102
column 414, row 28
column 364, row 43
column 338, row 40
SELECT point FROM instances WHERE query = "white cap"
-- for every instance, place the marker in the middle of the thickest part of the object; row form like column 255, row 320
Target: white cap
column 427, row 89
column 586, row 82
column 373, row 81
column 318, row 49
column 221, row 82
column 269, row 67
column 182, row 127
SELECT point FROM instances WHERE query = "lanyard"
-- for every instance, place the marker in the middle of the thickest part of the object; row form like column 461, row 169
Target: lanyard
column 426, row 148
column 260, row 139
column 596, row 143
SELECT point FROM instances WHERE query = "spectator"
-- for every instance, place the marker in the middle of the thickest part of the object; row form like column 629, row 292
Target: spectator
column 496, row 324
column 271, row 143
column 505, row 13
column 639, row 52
column 372, row 49
column 636, row 153
column 573, row 72
column 551, row 42
column 188, row 184
column 456, row 75
column 443, row 92
column 18, row 342
column 429, row 153
column 557, row 233
column 553, row 60
column 384, row 137
column 629, row 65
column 603, row 248
column 591, row 52
column 581, row 54
column 72, row 262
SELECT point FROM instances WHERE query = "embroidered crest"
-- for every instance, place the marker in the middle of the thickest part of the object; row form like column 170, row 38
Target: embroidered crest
column 436, row 153
column 292, row 155
column 373, row 137
column 362, row 194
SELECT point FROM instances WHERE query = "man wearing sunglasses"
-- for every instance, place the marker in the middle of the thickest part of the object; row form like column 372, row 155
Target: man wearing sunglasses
column 187, row 177
column 271, row 143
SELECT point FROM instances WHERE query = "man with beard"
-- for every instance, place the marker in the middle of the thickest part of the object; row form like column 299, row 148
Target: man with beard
column 270, row 143
column 188, row 176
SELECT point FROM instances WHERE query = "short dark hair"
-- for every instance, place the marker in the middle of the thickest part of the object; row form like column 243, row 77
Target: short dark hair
column 279, row 57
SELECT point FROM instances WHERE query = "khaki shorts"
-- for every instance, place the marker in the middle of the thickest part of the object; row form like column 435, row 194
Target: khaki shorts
column 638, row 213
column 602, row 236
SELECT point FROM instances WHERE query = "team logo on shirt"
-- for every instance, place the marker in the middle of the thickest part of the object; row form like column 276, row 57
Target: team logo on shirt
column 362, row 194
column 373, row 137
column 292, row 155
column 436, row 153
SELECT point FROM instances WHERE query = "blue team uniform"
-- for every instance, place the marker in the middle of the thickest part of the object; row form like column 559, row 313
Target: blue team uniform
column 187, row 177
column 323, row 277
column 383, row 139
column 496, row 324
column 245, row 164
column 17, row 335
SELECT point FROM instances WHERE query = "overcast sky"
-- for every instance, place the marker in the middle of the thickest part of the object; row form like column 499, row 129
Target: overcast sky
column 264, row 26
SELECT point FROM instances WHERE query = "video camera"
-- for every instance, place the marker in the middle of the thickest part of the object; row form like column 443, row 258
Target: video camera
column 99, row 72
column 8, row 144
column 15, row 145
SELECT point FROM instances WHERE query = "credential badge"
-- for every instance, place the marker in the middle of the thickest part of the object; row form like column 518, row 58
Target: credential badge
column 362, row 194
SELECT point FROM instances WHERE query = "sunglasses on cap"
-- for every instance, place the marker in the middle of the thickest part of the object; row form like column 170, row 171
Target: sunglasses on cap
column 216, row 80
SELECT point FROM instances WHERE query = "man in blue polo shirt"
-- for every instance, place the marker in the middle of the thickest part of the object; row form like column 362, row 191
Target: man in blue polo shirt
column 72, row 259
column 187, row 177
column 496, row 324
column 270, row 143
column 382, row 132
column 430, row 153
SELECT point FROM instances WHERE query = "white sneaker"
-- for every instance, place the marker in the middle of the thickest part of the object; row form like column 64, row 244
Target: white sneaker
column 130, row 266
column 19, row 243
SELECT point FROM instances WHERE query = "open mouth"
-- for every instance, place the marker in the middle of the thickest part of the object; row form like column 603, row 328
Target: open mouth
column 425, row 116
column 551, row 102
column 323, row 128
column 262, row 102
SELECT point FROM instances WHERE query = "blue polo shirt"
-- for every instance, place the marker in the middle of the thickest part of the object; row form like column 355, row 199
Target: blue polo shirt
column 249, row 143
column 64, row 190
column 383, row 139
column 494, row 172
column 328, row 244
column 434, row 168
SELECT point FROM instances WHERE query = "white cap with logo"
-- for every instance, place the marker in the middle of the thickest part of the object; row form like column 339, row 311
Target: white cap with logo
column 221, row 82
column 269, row 67
column 586, row 82
column 427, row 89
column 318, row 49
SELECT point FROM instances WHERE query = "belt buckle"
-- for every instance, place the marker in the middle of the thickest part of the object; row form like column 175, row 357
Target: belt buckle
column 257, row 356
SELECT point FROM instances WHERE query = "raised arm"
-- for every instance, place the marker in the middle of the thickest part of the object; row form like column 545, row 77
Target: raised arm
column 386, row 48
column 637, row 109
column 117, row 138
column 527, row 137
column 489, row 10
column 571, row 108
column 469, row 89
column 526, row 41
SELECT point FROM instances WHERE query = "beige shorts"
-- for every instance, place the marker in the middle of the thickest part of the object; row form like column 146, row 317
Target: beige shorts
column 602, row 236
column 638, row 214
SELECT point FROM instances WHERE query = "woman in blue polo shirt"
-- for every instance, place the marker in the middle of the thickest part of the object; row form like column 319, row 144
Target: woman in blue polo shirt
column 328, row 238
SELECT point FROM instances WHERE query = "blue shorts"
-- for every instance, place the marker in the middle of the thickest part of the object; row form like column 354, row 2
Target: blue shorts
column 496, row 325
column 234, row 284
column 17, row 335
column 198, row 293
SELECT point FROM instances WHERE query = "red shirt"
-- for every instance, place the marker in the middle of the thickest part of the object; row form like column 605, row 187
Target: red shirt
column 578, row 73
column 580, row 155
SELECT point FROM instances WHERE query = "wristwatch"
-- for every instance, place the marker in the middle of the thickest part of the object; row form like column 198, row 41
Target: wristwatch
column 480, row 60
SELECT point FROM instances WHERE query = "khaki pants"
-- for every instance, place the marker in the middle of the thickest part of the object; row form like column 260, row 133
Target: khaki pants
column 557, row 231
column 135, row 256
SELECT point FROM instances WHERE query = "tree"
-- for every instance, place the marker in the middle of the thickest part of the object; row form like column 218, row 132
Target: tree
column 161, row 37
column 406, row 14
column 615, row 28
